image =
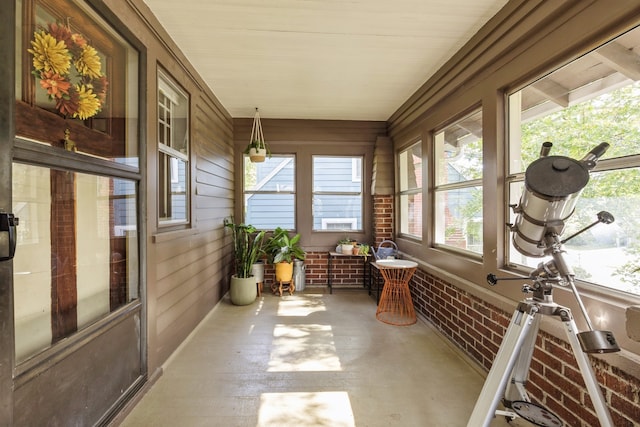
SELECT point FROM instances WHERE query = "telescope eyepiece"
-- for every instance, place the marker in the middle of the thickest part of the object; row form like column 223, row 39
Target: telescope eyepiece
column 605, row 217
column 545, row 149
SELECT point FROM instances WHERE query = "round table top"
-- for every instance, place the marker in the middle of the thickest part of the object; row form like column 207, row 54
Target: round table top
column 396, row 263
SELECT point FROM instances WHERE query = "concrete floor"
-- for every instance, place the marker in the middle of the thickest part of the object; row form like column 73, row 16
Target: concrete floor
column 311, row 359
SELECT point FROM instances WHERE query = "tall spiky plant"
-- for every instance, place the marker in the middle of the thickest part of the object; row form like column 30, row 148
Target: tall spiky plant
column 247, row 246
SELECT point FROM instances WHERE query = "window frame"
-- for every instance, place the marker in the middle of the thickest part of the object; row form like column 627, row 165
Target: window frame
column 355, row 178
column 167, row 83
column 293, row 192
column 408, row 192
column 440, row 188
column 303, row 140
column 515, row 171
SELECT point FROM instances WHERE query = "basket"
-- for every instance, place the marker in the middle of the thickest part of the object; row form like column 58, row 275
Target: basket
column 386, row 249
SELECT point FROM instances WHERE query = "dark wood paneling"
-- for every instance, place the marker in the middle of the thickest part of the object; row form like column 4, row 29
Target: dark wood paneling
column 81, row 388
column 185, row 277
column 187, row 269
column 309, row 131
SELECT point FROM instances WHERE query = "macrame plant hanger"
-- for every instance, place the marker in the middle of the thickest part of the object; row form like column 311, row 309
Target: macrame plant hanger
column 258, row 150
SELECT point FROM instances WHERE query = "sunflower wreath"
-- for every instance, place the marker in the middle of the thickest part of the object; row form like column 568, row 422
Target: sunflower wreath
column 69, row 70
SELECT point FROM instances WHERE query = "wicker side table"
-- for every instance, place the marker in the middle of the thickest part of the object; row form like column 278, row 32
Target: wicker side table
column 396, row 306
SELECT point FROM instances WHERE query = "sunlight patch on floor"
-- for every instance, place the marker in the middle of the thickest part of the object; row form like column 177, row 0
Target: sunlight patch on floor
column 330, row 409
column 303, row 347
column 301, row 306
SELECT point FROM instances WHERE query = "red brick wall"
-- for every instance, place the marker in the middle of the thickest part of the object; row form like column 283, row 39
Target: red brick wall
column 316, row 268
column 382, row 218
column 345, row 270
column 555, row 380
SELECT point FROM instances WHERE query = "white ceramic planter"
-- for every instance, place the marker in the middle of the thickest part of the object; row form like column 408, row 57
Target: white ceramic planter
column 243, row 291
column 347, row 249
column 257, row 270
column 257, row 155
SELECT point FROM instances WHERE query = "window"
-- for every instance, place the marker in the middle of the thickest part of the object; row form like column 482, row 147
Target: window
column 173, row 152
column 410, row 174
column 269, row 192
column 69, row 276
column 590, row 100
column 458, row 190
column 77, row 257
column 90, row 116
column 337, row 193
column 339, row 223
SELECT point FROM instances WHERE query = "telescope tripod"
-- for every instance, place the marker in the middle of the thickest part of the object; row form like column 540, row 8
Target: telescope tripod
column 508, row 375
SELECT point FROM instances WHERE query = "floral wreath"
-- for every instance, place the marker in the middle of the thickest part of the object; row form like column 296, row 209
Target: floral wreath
column 57, row 53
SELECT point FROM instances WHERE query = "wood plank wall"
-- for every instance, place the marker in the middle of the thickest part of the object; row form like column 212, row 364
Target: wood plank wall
column 186, row 269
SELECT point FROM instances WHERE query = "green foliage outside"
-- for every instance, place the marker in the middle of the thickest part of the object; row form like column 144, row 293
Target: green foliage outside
column 613, row 117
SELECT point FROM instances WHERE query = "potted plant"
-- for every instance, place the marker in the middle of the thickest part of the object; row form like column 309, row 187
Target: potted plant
column 248, row 247
column 364, row 249
column 257, row 148
column 257, row 151
column 346, row 246
column 282, row 250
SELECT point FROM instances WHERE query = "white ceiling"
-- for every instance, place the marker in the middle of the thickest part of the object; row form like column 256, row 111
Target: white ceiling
column 319, row 59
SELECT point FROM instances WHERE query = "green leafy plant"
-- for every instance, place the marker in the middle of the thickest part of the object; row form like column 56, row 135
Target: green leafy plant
column 248, row 246
column 257, row 144
column 280, row 247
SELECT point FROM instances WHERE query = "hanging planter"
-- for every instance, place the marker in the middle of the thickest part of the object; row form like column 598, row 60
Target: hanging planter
column 257, row 148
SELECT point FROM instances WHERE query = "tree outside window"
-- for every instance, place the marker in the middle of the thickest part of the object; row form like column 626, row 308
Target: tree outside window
column 410, row 185
column 576, row 110
column 458, row 190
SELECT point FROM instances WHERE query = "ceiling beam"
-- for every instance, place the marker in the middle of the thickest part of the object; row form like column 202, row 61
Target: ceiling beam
column 552, row 91
column 472, row 127
column 621, row 59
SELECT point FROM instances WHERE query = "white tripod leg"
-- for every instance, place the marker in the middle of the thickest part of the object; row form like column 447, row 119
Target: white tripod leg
column 599, row 404
column 486, row 405
column 515, row 388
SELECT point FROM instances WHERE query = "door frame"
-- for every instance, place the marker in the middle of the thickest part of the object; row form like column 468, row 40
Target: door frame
column 7, row 131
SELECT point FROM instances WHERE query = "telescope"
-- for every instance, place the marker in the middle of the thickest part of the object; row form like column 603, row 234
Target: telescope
column 552, row 186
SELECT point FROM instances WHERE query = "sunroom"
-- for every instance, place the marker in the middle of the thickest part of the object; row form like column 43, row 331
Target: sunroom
column 122, row 149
